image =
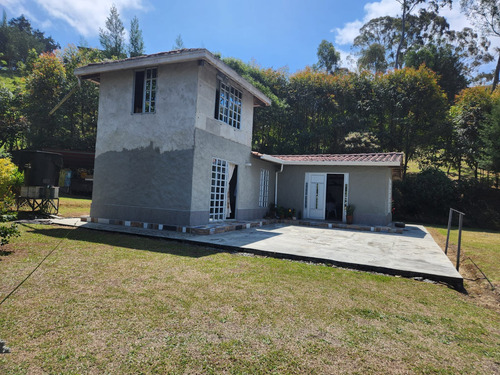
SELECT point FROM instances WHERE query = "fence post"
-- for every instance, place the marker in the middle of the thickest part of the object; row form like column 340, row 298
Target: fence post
column 448, row 232
column 460, row 215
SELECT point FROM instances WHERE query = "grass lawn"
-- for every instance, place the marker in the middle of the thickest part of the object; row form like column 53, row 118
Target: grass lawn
column 467, row 172
column 483, row 247
column 114, row 303
column 74, row 206
column 11, row 79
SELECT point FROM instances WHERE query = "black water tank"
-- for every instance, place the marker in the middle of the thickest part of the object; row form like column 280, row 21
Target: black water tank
column 40, row 168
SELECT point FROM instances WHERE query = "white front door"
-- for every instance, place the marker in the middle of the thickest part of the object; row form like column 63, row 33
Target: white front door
column 315, row 195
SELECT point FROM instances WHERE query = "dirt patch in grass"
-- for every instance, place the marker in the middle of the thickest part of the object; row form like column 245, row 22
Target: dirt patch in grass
column 114, row 303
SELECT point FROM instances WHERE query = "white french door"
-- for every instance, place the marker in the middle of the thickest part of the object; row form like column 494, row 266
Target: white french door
column 218, row 190
column 315, row 195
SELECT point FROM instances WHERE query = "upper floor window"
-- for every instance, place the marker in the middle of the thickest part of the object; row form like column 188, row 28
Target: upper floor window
column 228, row 105
column 145, row 91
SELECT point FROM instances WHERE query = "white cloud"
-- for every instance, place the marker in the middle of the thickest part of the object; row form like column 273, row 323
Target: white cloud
column 346, row 34
column 86, row 16
column 16, row 8
column 348, row 60
column 455, row 18
column 47, row 24
column 382, row 8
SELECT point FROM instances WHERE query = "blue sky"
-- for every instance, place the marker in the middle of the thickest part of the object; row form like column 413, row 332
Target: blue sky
column 273, row 33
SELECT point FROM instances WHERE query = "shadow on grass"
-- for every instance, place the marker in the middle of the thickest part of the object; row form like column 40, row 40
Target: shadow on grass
column 5, row 252
column 412, row 231
column 124, row 240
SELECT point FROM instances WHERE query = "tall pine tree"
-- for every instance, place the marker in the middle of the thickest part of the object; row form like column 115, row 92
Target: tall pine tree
column 136, row 45
column 113, row 37
column 179, row 44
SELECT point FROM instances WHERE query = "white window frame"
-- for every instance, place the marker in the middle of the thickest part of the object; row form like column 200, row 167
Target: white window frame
column 150, row 86
column 264, row 188
column 389, row 196
column 149, row 89
column 229, row 105
column 218, row 190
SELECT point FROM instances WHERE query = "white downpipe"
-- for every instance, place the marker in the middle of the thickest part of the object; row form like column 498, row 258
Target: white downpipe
column 276, row 186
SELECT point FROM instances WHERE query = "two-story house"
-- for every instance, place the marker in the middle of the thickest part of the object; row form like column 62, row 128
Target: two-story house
column 174, row 140
column 174, row 147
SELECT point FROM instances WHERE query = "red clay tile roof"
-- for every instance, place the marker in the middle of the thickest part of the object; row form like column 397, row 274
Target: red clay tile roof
column 373, row 158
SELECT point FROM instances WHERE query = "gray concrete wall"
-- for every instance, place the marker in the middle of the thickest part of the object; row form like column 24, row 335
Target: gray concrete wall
column 368, row 190
column 143, row 167
column 169, row 128
column 143, row 184
column 209, row 146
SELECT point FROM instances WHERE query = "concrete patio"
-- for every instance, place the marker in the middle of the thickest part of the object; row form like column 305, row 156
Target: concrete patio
column 414, row 253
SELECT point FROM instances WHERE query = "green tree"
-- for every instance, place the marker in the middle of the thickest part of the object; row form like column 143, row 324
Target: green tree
column 470, row 116
column 270, row 126
column 373, row 58
column 313, row 106
column 12, row 122
column 311, row 111
column 316, row 112
column 422, row 28
column 112, row 38
column 179, row 44
column 325, row 109
column 136, row 45
column 10, row 179
column 328, row 57
column 491, row 138
column 407, row 6
column 62, row 112
column 17, row 38
column 486, row 15
column 410, row 112
column 77, row 117
column 443, row 60
column 45, row 86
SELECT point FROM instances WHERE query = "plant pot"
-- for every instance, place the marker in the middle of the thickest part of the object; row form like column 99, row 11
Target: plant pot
column 348, row 219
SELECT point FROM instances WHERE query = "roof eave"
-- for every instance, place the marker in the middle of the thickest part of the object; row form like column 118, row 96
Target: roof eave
column 346, row 163
column 93, row 72
column 273, row 159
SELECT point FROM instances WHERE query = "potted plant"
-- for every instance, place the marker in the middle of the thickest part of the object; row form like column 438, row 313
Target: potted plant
column 349, row 212
column 281, row 212
column 272, row 210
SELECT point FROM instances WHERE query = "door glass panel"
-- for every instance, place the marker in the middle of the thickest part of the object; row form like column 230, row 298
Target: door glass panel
column 219, row 185
column 317, row 195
